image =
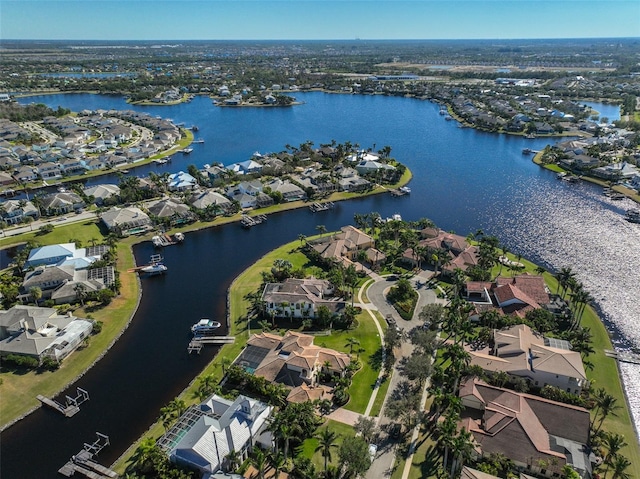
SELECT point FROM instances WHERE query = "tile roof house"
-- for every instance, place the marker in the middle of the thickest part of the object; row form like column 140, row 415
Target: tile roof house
column 517, row 295
column 102, row 192
column 205, row 434
column 299, row 298
column 343, row 247
column 292, row 360
column 529, row 430
column 204, row 199
column 41, row 332
column 181, row 181
column 15, row 211
column 125, row 221
column 177, row 212
column 61, row 203
column 522, row 352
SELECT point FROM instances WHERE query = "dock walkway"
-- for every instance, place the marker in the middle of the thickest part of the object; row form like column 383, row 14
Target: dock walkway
column 84, row 464
column 198, row 342
column 623, row 356
column 71, row 406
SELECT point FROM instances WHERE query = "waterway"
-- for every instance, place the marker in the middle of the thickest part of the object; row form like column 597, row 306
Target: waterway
column 464, row 180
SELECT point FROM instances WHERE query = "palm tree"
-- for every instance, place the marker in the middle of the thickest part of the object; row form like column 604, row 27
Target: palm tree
column 461, row 450
column 278, row 463
column 35, row 293
column 564, row 277
column 142, row 459
column 613, row 442
column 322, row 229
column 606, row 404
column 259, row 461
column 233, row 460
column 619, row 467
column 224, row 364
column 302, row 237
column 326, row 440
column 351, row 342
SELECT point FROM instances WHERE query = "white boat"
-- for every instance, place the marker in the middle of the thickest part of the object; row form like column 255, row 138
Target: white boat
column 157, row 241
column 179, row 237
column 154, row 268
column 204, row 326
column 186, row 151
column 405, row 189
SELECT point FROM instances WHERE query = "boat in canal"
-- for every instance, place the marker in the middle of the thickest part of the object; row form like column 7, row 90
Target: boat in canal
column 155, row 266
column 204, row 327
column 186, row 151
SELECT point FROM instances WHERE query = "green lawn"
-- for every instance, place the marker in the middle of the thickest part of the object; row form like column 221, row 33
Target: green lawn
column 308, row 448
column 19, row 391
column 84, row 231
column 365, row 379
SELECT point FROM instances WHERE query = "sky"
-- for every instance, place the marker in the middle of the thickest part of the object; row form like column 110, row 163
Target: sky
column 316, row 19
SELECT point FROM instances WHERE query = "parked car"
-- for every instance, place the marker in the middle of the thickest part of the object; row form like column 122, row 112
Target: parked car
column 373, row 449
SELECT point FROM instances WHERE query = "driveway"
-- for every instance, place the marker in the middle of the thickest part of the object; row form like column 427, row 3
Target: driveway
column 382, row 465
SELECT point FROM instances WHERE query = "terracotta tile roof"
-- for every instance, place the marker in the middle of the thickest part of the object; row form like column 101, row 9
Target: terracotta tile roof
column 519, row 425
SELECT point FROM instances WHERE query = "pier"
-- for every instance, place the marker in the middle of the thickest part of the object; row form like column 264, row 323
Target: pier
column 84, row 464
column 249, row 221
column 71, row 406
column 198, row 342
column 315, row 207
column 400, row 191
column 623, row 356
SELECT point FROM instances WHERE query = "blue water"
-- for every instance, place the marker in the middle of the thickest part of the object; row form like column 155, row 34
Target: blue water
column 464, row 180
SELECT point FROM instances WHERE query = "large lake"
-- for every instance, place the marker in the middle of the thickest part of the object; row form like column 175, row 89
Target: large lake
column 464, row 180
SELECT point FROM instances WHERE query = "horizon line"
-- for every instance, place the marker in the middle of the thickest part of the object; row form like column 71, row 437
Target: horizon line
column 308, row 39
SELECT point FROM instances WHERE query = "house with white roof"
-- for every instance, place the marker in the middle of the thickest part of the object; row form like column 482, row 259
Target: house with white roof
column 181, row 181
column 205, row 434
column 245, row 167
column 41, row 332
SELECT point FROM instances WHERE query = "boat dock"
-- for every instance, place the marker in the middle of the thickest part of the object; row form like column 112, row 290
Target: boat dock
column 623, row 356
column 84, row 464
column 198, row 342
column 249, row 221
column 315, row 207
column 162, row 240
column 71, row 406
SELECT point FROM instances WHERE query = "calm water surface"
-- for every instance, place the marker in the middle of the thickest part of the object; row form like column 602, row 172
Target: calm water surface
column 464, row 180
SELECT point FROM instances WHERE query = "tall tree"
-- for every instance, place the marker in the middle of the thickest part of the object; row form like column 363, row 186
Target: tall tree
column 326, row 440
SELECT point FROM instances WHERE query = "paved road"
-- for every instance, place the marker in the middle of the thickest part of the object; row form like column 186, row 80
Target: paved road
column 55, row 221
column 382, row 465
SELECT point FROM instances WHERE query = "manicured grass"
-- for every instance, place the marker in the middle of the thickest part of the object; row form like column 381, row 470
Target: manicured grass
column 308, row 448
column 426, row 459
column 382, row 393
column 364, row 380
column 84, row 231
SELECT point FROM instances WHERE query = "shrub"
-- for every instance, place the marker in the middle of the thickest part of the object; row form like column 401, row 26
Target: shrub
column 22, row 361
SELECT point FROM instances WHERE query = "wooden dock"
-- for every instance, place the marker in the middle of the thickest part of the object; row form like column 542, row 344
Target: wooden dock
column 198, row 342
column 71, row 406
column 84, row 463
column 623, row 356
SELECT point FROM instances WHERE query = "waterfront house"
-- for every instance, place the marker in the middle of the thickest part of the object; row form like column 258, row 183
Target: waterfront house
column 539, row 435
column 41, row 332
column 299, row 298
column 170, row 210
column 64, row 252
column 519, row 351
column 49, row 170
column 204, row 199
column 294, row 361
column 245, row 167
column 126, row 221
column 345, row 246
column 206, row 433
column 61, row 203
column 289, row 191
column 102, row 193
column 181, row 181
